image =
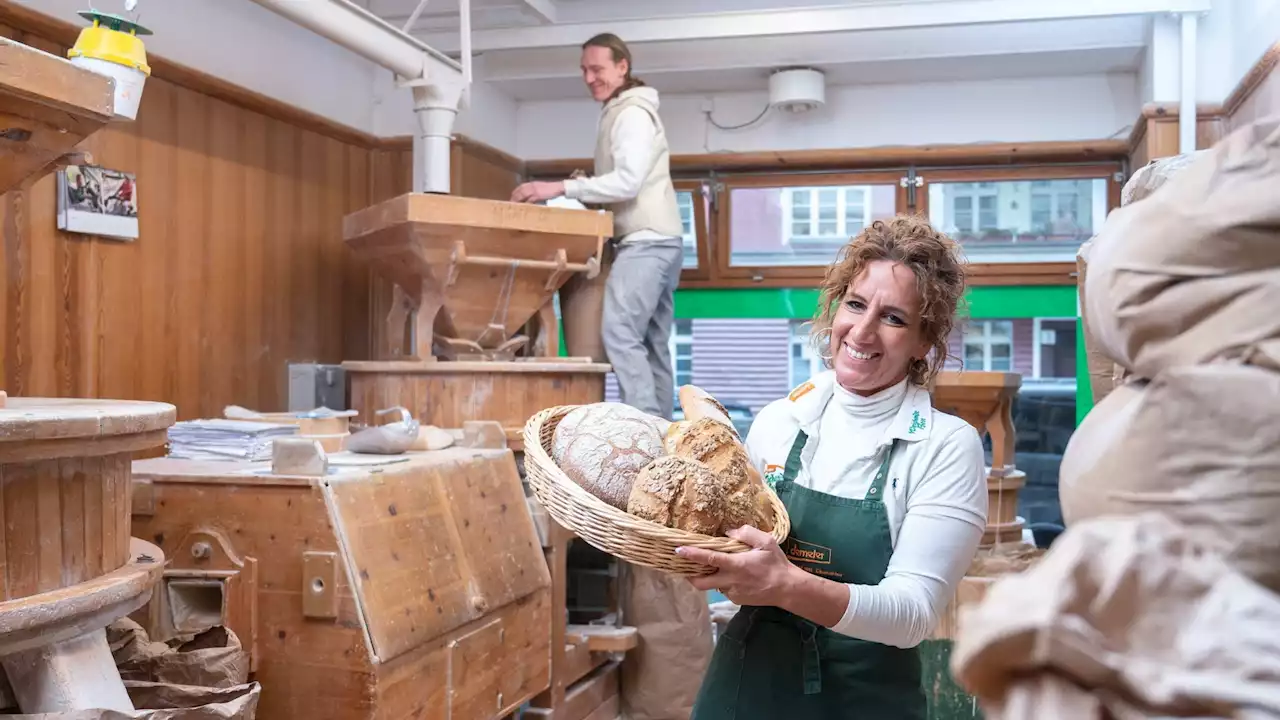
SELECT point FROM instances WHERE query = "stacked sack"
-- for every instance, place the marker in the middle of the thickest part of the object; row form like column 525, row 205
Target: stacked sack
column 1182, row 292
column 1158, row 599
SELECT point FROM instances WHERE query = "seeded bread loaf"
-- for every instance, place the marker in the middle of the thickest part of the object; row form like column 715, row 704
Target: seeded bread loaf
column 603, row 447
column 704, row 479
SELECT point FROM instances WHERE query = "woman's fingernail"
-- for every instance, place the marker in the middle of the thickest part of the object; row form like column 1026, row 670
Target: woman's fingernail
column 680, row 551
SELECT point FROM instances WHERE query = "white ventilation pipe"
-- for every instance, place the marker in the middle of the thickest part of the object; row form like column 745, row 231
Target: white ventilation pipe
column 440, row 85
column 1187, row 98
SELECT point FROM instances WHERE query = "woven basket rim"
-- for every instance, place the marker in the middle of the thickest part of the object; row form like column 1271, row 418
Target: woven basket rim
column 537, row 454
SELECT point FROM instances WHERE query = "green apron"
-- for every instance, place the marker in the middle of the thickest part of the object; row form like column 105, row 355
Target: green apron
column 772, row 665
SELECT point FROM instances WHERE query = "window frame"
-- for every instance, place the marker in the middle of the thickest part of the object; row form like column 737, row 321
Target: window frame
column 701, row 228
column 1036, row 353
column 674, row 341
column 783, row 276
column 1031, row 272
column 987, row 345
column 715, row 176
column 816, row 363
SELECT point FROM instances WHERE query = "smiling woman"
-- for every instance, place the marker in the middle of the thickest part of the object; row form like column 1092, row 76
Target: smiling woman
column 887, row 497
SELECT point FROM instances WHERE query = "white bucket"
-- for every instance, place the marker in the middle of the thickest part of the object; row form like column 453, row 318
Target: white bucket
column 128, row 83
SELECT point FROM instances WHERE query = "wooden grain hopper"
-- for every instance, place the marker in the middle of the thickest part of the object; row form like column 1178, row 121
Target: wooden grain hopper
column 985, row 401
column 408, row 586
column 70, row 566
column 470, row 273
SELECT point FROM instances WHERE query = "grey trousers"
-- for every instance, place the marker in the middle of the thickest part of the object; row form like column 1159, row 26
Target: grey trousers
column 639, row 315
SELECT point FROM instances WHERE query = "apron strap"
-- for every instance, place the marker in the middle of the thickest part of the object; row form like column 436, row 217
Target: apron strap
column 792, row 468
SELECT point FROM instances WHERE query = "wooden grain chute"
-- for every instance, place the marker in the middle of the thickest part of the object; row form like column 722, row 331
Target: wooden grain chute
column 47, row 107
column 470, row 273
column 985, row 401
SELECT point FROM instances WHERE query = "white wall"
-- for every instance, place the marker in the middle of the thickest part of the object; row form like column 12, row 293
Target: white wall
column 1255, row 27
column 1231, row 38
column 282, row 60
column 490, row 118
column 1015, row 110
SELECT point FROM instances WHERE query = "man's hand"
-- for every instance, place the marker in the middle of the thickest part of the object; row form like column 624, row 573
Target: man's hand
column 534, row 192
column 760, row 576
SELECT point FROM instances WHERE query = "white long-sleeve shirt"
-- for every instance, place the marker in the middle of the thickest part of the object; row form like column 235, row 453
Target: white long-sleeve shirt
column 632, row 151
column 935, row 494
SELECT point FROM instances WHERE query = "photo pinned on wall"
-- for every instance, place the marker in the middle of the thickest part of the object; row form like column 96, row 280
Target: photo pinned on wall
column 98, row 201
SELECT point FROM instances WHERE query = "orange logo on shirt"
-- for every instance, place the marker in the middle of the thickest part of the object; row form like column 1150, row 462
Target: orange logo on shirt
column 800, row 391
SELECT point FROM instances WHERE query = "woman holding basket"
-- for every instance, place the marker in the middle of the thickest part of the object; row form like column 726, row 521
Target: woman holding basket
column 887, row 499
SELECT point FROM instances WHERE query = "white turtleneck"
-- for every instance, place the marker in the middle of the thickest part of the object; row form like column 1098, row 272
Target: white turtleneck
column 937, row 512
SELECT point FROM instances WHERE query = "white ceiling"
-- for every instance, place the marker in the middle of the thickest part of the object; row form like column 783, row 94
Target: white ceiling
column 530, row 48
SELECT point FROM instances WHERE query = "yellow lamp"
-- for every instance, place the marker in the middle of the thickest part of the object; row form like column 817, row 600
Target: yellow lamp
column 112, row 47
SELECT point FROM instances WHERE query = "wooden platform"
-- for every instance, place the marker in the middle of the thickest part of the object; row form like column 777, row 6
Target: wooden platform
column 47, row 106
column 414, row 589
column 448, row 394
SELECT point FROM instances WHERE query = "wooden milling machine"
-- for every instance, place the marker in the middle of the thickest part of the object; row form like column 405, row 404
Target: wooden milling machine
column 418, row 585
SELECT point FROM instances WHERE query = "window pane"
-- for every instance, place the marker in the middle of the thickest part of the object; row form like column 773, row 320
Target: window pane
column 987, row 219
column 1000, row 330
column 685, row 200
column 973, row 356
column 763, row 233
column 1015, row 224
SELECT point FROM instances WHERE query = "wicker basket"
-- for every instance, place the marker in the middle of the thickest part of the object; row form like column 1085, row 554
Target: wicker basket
column 615, row 531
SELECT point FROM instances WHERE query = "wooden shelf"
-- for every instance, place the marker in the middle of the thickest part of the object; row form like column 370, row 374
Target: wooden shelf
column 47, row 107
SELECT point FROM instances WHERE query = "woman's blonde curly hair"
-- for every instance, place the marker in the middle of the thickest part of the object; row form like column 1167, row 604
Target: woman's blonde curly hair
column 931, row 256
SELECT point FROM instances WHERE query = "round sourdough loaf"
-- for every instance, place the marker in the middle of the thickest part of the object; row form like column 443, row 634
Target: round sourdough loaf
column 603, row 447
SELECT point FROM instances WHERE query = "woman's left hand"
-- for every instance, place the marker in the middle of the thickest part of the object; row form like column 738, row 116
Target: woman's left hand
column 759, row 576
column 533, row 192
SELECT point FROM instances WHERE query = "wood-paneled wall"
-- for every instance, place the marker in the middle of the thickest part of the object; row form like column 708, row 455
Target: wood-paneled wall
column 240, row 267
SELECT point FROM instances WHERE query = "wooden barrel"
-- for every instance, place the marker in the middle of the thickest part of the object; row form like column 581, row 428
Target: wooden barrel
column 66, row 487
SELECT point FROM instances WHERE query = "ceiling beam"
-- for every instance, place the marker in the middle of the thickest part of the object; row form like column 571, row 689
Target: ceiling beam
column 836, row 48
column 877, row 16
column 544, row 10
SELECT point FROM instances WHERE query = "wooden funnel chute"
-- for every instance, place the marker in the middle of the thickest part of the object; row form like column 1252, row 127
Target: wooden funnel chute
column 985, row 401
column 470, row 273
column 49, row 106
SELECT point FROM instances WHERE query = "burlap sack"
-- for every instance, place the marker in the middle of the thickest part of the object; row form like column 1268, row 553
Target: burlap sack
column 581, row 310
column 1200, row 446
column 1150, row 177
column 1124, row 618
column 661, row 676
column 1191, row 274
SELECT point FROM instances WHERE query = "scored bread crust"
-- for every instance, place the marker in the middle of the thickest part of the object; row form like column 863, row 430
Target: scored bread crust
column 603, row 447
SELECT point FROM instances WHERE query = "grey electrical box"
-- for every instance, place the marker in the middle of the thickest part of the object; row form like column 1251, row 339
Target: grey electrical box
column 312, row 386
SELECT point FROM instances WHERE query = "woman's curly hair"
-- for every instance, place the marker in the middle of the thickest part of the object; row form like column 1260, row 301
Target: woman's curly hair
column 931, row 256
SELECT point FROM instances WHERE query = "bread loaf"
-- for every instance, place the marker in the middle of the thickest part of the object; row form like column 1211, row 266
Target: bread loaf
column 682, row 493
column 698, row 404
column 704, row 482
column 603, row 447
